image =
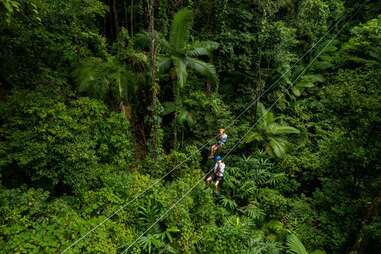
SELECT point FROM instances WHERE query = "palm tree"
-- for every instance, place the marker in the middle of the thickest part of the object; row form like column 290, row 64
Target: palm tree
column 272, row 135
column 181, row 55
column 110, row 80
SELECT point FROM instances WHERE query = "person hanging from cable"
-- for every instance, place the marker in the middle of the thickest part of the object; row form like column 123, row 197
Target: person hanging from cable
column 218, row 173
column 221, row 140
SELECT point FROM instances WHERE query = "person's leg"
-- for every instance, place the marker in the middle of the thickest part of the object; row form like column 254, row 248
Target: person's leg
column 212, row 151
column 209, row 179
column 217, row 184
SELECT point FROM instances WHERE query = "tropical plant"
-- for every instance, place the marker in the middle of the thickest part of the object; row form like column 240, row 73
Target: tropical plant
column 269, row 133
column 295, row 246
column 179, row 55
column 108, row 79
column 306, row 82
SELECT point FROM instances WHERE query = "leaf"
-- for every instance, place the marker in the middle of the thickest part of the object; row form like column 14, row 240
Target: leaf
column 318, row 252
column 228, row 203
column 304, row 84
column 313, row 78
column 181, row 72
column 184, row 117
column 142, row 40
column 164, row 64
column 295, row 245
column 202, row 48
column 180, row 29
column 203, row 68
column 277, row 147
column 254, row 212
column 277, row 129
column 254, row 136
column 169, row 107
column 265, row 117
column 276, row 179
column 296, row 91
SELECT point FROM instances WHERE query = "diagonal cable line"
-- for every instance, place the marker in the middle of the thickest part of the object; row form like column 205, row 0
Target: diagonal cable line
column 208, row 142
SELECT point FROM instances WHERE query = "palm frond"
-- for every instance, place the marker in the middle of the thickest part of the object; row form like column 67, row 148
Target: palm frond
column 202, row 48
column 181, row 72
column 254, row 136
column 142, row 40
column 90, row 77
column 277, row 129
column 185, row 116
column 164, row 64
column 276, row 179
column 180, row 29
column 206, row 69
column 254, row 212
column 318, row 252
column 295, row 245
column 228, row 203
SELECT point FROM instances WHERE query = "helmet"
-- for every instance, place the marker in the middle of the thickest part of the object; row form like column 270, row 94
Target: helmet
column 218, row 158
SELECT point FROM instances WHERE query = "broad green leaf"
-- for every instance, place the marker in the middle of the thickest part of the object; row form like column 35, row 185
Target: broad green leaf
column 295, row 245
column 277, row 129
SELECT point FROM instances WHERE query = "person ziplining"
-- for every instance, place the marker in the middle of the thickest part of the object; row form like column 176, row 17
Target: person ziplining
column 218, row 173
column 221, row 140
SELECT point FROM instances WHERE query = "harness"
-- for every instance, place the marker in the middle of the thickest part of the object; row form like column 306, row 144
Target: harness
column 218, row 170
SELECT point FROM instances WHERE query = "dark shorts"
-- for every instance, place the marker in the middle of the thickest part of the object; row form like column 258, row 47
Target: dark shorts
column 216, row 178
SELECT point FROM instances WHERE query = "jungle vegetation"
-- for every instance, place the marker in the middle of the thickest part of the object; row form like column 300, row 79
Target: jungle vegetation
column 108, row 109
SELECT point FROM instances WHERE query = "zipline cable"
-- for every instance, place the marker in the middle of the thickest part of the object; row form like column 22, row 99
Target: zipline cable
column 234, row 147
column 205, row 144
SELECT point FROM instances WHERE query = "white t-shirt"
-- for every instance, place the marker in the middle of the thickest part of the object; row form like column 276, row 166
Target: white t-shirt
column 219, row 169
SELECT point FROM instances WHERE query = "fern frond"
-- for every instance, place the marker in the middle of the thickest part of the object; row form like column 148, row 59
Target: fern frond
column 202, row 48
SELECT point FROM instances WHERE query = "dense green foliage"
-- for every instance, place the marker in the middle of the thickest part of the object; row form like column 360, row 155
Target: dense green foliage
column 295, row 82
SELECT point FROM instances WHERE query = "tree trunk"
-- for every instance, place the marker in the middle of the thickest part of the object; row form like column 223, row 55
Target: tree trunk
column 208, row 88
column 132, row 18
column 115, row 17
column 154, row 84
column 258, row 89
column 175, row 119
column 175, row 98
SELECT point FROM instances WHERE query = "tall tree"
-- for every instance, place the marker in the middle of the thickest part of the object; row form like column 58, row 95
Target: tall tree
column 181, row 55
column 155, row 88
